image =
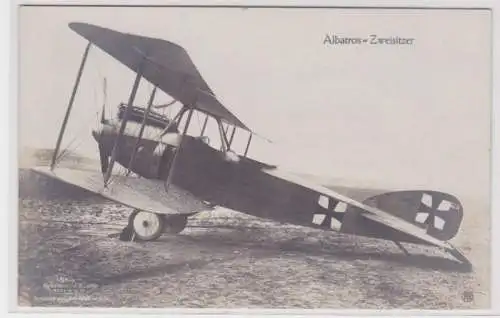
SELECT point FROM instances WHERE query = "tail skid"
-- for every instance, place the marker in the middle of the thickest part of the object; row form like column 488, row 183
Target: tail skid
column 457, row 254
column 452, row 250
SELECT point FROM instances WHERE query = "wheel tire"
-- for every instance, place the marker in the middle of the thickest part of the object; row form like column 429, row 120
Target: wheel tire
column 146, row 226
column 174, row 224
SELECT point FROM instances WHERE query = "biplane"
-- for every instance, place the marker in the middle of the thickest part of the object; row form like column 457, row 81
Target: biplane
column 172, row 174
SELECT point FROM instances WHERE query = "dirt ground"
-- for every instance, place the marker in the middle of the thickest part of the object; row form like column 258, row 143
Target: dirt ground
column 69, row 255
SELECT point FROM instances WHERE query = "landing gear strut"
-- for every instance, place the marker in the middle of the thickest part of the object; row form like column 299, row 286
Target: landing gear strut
column 147, row 226
column 174, row 224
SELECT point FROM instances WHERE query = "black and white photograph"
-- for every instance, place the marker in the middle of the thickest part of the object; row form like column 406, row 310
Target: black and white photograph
column 239, row 157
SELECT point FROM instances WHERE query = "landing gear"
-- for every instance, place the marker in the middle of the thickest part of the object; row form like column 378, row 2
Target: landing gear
column 174, row 224
column 147, row 226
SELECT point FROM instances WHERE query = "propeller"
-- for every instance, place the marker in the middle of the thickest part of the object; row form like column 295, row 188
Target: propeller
column 104, row 153
column 105, row 97
column 104, row 158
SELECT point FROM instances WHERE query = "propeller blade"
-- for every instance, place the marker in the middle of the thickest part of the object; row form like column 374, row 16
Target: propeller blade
column 105, row 97
column 104, row 158
column 103, row 117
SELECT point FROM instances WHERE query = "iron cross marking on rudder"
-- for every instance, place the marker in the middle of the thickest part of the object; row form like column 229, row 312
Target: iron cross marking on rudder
column 429, row 213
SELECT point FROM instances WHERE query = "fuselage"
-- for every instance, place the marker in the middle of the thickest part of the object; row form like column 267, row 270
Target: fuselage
column 249, row 186
column 231, row 181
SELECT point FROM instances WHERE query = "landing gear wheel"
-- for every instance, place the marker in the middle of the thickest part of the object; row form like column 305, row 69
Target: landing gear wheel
column 146, row 226
column 174, row 224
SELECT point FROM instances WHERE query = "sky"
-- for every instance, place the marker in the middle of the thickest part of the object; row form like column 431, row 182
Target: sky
column 409, row 115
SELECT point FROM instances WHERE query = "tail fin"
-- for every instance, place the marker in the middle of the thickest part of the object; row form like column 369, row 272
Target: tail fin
column 439, row 213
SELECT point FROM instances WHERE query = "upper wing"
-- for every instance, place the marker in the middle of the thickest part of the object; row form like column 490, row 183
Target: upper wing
column 369, row 212
column 138, row 193
column 161, row 62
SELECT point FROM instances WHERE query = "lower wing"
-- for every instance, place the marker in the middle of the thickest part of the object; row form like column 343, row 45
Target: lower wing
column 138, row 193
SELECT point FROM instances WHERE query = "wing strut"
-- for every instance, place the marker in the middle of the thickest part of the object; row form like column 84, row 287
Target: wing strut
column 70, row 105
column 248, row 143
column 141, row 131
column 174, row 160
column 224, row 142
column 174, row 120
column 204, row 126
column 232, row 136
column 123, row 124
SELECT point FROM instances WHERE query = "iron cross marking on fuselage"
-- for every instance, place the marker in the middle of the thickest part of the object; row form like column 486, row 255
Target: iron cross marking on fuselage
column 329, row 213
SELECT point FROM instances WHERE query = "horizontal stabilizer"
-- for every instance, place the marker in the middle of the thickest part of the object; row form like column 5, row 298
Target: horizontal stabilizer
column 365, row 211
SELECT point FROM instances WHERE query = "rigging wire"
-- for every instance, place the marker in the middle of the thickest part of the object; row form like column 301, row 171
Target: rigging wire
column 80, row 131
column 66, row 151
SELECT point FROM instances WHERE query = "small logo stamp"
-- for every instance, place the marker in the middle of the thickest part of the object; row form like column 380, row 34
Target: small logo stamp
column 468, row 296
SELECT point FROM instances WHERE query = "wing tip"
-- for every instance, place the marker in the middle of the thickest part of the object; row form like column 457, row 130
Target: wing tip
column 85, row 29
column 76, row 25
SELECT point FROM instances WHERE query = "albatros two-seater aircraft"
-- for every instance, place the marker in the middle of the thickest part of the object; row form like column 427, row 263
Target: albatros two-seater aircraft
column 174, row 174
